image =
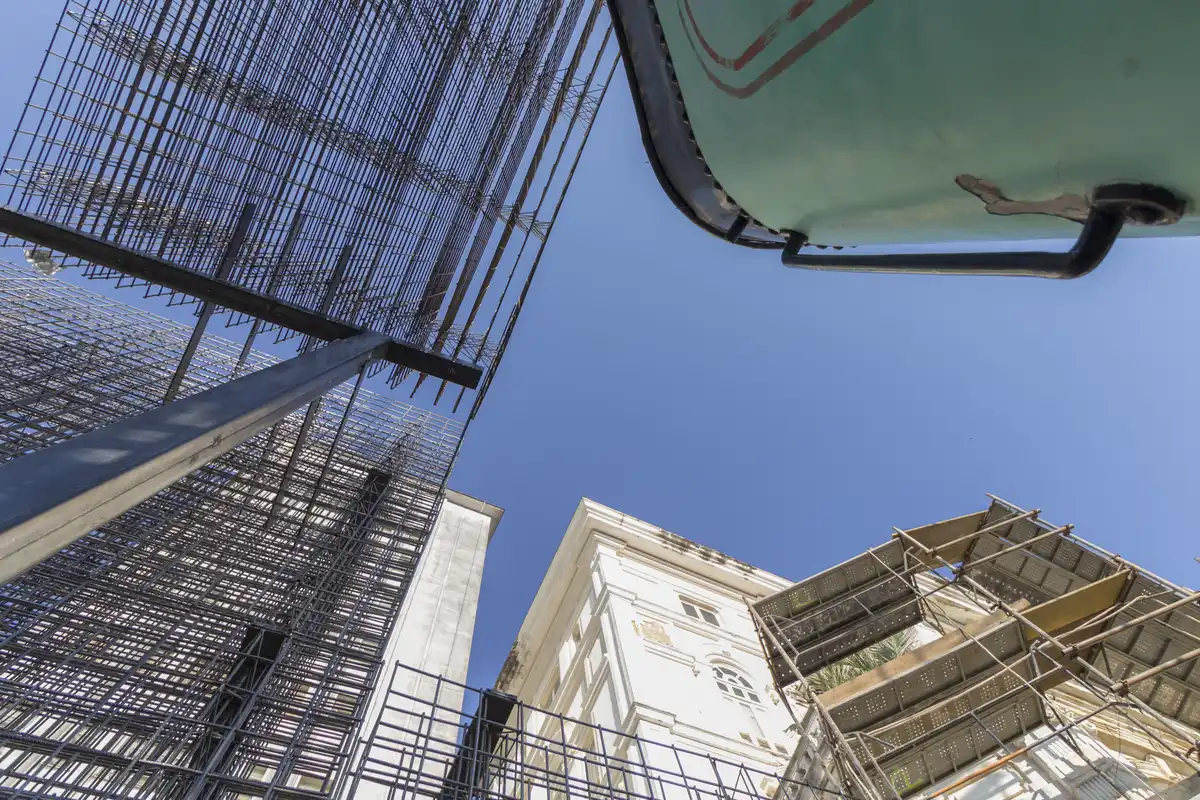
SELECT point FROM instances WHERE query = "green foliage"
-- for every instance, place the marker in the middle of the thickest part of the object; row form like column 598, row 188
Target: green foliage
column 862, row 661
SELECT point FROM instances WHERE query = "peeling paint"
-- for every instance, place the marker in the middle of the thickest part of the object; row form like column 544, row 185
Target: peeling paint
column 512, row 666
column 687, row 546
column 1068, row 206
column 655, row 631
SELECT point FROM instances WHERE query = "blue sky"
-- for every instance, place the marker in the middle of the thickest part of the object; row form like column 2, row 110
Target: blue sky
column 791, row 418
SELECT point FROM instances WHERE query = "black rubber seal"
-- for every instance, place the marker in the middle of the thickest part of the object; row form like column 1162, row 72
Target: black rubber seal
column 667, row 135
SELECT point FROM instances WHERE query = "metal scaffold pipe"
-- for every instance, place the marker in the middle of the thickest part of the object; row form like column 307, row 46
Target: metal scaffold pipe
column 995, row 526
column 1003, row 761
column 1133, row 623
column 1108, row 555
column 1010, row 549
column 1063, row 647
column 51, row 497
column 860, row 774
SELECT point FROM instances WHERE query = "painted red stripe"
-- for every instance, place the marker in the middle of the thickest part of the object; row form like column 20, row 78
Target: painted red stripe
column 831, row 25
column 758, row 45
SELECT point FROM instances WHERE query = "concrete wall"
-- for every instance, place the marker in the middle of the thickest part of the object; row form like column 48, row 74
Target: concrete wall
column 434, row 631
column 437, row 622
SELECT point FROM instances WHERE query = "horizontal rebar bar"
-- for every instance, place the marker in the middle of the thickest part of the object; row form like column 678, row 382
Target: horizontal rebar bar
column 406, row 130
column 225, row 294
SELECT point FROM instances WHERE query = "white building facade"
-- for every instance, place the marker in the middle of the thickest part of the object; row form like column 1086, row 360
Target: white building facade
column 641, row 631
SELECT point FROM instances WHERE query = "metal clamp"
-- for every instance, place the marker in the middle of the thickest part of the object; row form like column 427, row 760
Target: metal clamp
column 1113, row 205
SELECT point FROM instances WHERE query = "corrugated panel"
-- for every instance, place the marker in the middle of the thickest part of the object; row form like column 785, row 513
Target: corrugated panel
column 1111, row 786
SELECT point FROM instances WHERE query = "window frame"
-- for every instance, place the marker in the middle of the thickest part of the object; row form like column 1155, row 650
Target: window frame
column 703, row 611
column 733, row 683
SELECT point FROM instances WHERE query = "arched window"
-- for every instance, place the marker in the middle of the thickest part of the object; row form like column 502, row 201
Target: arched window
column 734, row 684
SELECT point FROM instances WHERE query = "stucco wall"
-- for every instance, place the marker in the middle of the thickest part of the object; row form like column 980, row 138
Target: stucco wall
column 608, row 641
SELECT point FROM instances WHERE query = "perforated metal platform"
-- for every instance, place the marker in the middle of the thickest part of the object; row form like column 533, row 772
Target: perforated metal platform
column 947, row 750
column 925, row 677
column 1175, row 692
column 1047, row 569
column 839, row 611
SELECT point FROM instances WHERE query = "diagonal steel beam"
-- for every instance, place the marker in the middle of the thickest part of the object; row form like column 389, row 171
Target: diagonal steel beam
column 223, row 293
column 51, row 497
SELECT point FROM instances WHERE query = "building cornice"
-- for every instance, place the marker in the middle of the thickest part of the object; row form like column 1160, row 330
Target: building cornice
column 596, row 525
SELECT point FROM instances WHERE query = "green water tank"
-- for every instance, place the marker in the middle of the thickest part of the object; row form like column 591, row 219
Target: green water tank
column 818, row 126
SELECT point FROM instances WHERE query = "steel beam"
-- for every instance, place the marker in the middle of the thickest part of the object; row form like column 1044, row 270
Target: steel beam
column 51, row 497
column 223, row 293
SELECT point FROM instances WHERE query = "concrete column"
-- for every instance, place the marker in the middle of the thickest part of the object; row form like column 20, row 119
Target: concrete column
column 433, row 635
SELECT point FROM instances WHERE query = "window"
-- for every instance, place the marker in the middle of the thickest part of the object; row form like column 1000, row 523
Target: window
column 699, row 611
column 551, row 690
column 732, row 683
column 595, row 657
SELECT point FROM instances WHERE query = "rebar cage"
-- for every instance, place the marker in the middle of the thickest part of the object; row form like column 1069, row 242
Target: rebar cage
column 220, row 639
column 436, row 738
column 1042, row 634
column 403, row 162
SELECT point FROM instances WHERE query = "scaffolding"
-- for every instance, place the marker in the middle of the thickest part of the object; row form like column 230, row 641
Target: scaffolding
column 1043, row 635
column 436, row 738
column 222, row 638
column 316, row 168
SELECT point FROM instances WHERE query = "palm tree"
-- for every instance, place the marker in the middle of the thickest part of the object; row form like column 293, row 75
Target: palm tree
column 861, row 661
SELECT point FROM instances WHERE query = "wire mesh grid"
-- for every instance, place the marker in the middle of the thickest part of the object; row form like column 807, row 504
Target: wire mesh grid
column 220, row 639
column 424, row 744
column 421, row 135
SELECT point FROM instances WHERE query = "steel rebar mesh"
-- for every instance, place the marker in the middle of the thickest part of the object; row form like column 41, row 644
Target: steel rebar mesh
column 220, row 639
column 409, row 130
column 441, row 739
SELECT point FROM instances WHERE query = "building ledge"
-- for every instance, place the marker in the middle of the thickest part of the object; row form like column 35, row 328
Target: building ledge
column 494, row 513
